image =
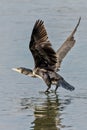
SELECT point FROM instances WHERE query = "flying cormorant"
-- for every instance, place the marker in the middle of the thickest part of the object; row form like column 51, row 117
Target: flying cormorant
column 47, row 61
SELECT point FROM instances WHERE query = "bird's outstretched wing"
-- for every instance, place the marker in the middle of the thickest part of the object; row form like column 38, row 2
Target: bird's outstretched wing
column 66, row 46
column 42, row 51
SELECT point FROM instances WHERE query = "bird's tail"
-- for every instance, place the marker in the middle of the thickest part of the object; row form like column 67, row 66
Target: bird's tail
column 66, row 85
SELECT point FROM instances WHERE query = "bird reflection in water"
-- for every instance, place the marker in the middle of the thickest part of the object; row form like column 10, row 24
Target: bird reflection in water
column 47, row 115
column 47, row 112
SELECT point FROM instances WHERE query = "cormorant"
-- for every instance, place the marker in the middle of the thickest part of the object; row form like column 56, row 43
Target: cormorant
column 47, row 61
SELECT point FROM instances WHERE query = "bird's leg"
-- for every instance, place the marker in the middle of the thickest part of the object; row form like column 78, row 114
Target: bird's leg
column 57, row 85
column 45, row 76
column 47, row 91
column 47, row 80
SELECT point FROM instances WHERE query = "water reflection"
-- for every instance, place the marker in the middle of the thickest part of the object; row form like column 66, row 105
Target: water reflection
column 47, row 114
column 47, row 111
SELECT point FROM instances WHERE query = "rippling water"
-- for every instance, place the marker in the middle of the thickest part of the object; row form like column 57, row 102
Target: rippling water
column 23, row 104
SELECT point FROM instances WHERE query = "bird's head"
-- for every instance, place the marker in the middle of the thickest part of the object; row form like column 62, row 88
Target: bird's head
column 19, row 70
column 23, row 71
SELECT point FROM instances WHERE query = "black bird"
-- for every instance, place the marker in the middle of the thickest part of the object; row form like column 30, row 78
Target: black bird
column 47, row 61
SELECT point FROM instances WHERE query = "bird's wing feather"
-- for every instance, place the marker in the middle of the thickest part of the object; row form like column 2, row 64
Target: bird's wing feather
column 66, row 46
column 42, row 51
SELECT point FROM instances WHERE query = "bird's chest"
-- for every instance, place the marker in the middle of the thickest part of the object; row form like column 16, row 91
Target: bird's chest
column 38, row 73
